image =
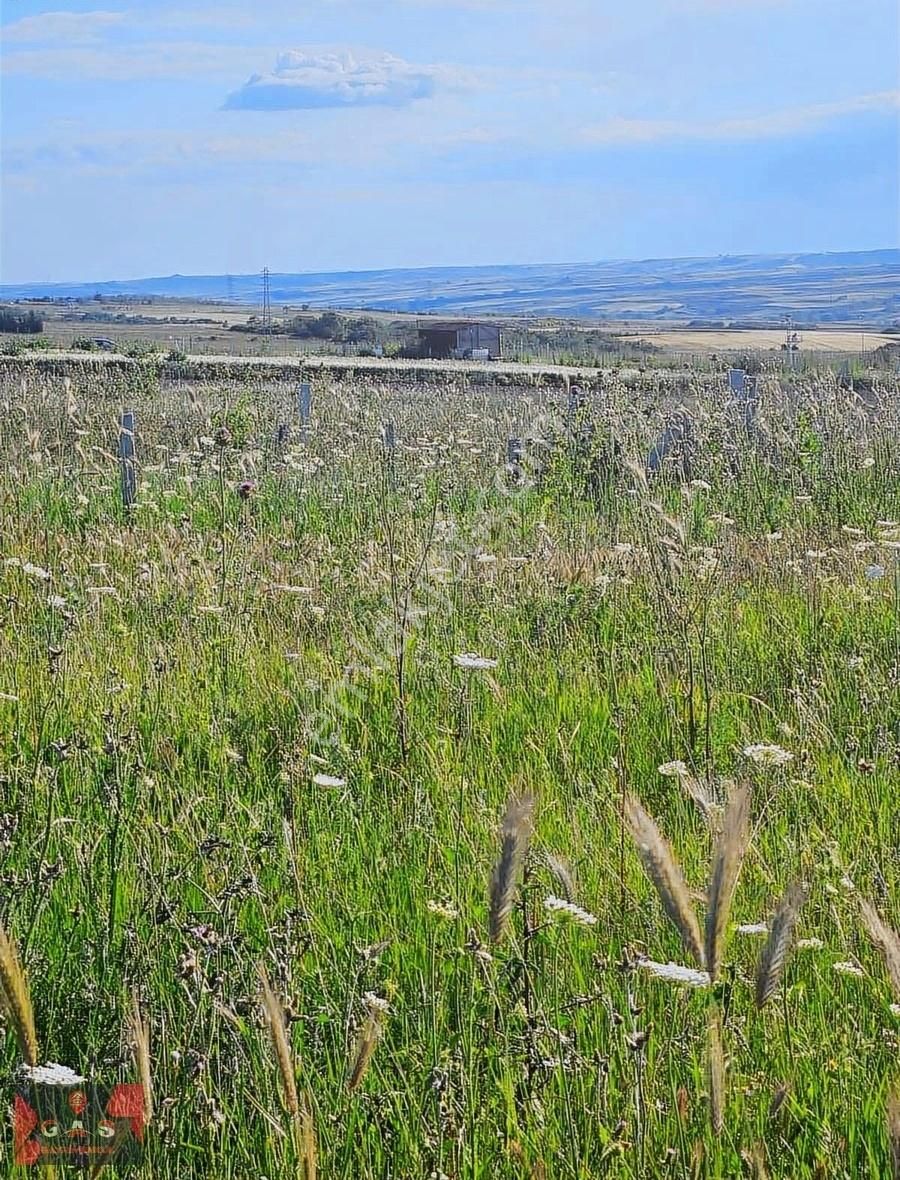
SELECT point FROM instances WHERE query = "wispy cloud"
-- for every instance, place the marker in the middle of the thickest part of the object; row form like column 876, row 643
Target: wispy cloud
column 156, row 151
column 68, row 27
column 130, row 61
column 305, row 80
column 768, row 126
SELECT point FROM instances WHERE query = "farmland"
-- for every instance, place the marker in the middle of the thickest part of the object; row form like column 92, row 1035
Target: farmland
column 336, row 753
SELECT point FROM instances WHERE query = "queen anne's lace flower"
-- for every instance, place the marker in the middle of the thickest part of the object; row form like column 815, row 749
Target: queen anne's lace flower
column 675, row 973
column 767, row 754
column 848, row 969
column 676, row 769
column 51, row 1074
column 472, row 662
column 329, row 780
column 557, row 905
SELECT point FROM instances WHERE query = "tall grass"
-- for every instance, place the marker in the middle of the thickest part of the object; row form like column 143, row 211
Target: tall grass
column 205, row 768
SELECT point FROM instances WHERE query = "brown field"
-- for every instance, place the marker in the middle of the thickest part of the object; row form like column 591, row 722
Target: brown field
column 198, row 327
column 761, row 340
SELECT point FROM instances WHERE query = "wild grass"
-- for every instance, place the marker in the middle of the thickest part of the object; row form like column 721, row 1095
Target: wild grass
column 209, row 762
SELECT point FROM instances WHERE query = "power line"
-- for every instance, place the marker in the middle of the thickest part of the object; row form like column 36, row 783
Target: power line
column 267, row 304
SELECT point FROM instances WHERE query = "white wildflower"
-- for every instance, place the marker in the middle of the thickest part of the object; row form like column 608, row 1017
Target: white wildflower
column 50, row 1074
column 443, row 909
column 329, row 780
column 848, row 969
column 773, row 537
column 766, row 754
column 675, row 973
column 473, row 662
column 676, row 769
column 701, row 485
column 283, row 588
column 57, row 602
column 35, row 571
column 557, row 905
column 810, row 944
column 753, row 928
column 376, row 1005
column 895, row 1009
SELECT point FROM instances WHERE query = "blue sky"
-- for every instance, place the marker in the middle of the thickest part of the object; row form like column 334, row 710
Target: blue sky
column 141, row 139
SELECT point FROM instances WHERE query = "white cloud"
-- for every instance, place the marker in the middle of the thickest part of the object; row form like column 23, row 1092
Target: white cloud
column 67, row 27
column 777, row 123
column 304, row 80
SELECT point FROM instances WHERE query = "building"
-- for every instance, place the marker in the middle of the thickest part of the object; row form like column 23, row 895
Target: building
column 460, row 340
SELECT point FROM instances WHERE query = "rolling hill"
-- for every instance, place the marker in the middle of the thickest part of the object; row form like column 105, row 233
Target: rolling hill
column 853, row 287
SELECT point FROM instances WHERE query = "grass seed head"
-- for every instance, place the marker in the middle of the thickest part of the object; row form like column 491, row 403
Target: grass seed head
column 729, row 856
column 887, row 941
column 774, row 954
column 17, row 999
column 666, row 876
column 515, row 832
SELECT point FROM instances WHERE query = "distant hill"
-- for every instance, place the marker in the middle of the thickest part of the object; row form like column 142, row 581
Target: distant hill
column 857, row 287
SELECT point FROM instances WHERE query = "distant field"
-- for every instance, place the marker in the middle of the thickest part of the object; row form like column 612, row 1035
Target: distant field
column 197, row 327
column 759, row 340
column 835, row 289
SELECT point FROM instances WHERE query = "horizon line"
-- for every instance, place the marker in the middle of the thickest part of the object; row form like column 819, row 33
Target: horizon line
column 441, row 267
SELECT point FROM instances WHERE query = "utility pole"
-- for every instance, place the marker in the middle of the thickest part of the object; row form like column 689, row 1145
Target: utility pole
column 266, row 306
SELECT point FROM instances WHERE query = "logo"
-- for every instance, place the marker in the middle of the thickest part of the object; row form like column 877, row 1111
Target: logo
column 79, row 1123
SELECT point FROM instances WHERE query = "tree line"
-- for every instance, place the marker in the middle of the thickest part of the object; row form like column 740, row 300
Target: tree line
column 27, row 323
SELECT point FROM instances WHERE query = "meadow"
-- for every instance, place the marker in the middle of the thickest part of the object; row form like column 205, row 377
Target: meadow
column 362, row 786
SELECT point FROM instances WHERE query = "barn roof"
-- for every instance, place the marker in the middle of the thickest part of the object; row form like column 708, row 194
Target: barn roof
column 429, row 325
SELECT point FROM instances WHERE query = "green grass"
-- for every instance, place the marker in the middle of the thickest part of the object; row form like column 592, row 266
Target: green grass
column 161, row 728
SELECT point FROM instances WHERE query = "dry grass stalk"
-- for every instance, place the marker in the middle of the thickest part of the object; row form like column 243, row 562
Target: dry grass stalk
column 514, row 835
column 308, row 1151
column 703, row 798
column 278, row 1031
column 778, row 1100
column 366, row 1043
column 17, row 1000
column 893, row 1129
column 302, row 1126
column 715, row 1070
column 729, row 856
column 775, row 952
column 663, row 870
column 887, row 941
column 756, row 1158
column 563, row 875
column 140, row 1037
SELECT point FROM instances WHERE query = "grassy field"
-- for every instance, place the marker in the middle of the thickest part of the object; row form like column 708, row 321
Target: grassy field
column 203, row 327
column 370, row 723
